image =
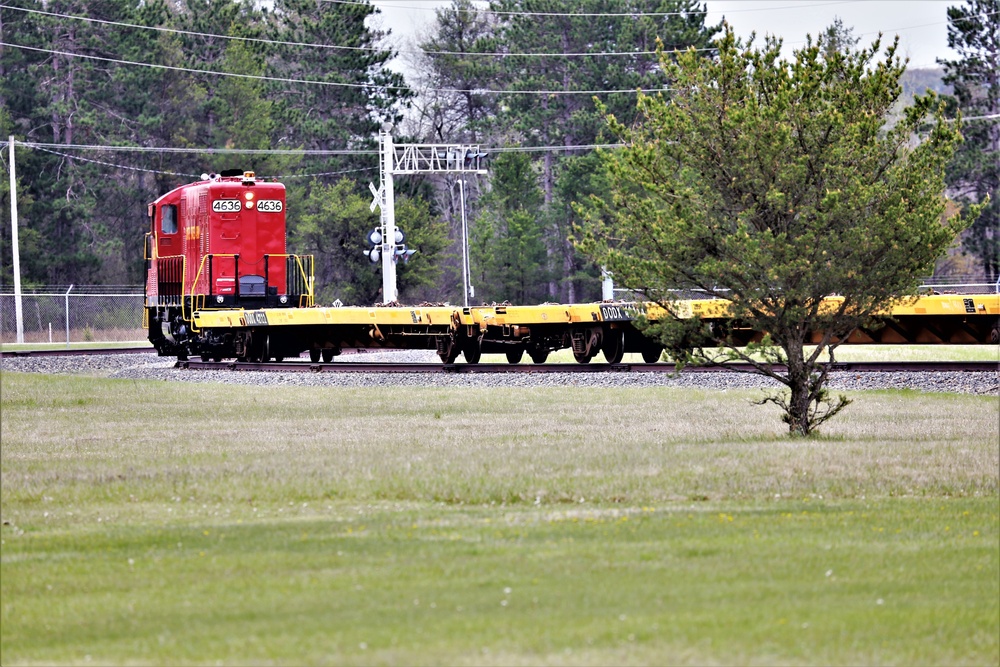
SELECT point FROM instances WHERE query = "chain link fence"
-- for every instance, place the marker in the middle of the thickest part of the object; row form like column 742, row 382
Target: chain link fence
column 77, row 315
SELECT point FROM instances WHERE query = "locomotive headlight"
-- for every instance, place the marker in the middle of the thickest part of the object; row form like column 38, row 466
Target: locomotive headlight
column 248, row 195
column 219, row 298
column 283, row 298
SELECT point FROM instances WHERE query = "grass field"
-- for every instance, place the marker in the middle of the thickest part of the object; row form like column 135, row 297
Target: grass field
column 188, row 523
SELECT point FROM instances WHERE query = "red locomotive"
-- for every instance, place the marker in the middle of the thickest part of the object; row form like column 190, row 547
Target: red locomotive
column 218, row 243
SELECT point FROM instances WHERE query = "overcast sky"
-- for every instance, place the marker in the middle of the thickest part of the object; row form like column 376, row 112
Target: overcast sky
column 920, row 24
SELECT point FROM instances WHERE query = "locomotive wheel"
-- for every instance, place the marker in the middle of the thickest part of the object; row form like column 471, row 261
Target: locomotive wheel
column 538, row 356
column 314, row 355
column 582, row 358
column 652, row 353
column 327, row 353
column 613, row 345
column 514, row 356
column 206, row 357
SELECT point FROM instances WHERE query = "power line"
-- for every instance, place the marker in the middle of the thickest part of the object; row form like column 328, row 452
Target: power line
column 258, row 40
column 258, row 77
column 174, row 173
column 210, row 151
column 585, row 14
column 257, row 151
column 192, row 33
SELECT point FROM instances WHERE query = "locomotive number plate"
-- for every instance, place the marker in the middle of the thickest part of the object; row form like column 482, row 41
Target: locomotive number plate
column 269, row 206
column 610, row 313
column 226, row 206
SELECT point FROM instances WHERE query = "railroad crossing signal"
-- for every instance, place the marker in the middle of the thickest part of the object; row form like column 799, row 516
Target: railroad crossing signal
column 409, row 159
column 377, row 195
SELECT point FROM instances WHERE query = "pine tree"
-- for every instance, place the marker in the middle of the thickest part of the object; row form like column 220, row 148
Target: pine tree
column 774, row 183
column 974, row 32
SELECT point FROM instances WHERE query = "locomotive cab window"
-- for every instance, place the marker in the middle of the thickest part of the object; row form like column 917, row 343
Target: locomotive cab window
column 168, row 219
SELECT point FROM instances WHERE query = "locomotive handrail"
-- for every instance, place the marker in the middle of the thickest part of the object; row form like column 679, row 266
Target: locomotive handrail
column 168, row 262
column 307, row 279
column 189, row 317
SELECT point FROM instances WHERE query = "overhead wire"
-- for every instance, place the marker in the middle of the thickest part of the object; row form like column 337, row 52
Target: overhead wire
column 278, row 42
column 260, row 77
column 364, row 85
column 593, row 14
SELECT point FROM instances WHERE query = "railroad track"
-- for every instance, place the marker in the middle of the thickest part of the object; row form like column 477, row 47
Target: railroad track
column 304, row 366
column 370, row 367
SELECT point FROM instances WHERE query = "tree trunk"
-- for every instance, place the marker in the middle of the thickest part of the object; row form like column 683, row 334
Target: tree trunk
column 797, row 409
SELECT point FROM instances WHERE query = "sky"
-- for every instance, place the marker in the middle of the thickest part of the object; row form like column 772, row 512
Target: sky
column 920, row 24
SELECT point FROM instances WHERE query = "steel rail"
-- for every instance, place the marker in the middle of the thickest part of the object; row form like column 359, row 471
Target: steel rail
column 372, row 367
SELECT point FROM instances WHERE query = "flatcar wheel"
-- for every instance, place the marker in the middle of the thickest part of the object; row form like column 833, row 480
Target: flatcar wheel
column 327, row 353
column 449, row 351
column 314, row 355
column 471, row 350
column 583, row 358
column 514, row 356
column 613, row 345
column 652, row 353
column 538, row 356
column 206, row 357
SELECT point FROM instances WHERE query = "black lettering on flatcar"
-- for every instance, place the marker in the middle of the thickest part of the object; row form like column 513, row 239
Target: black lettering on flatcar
column 414, row 317
column 256, row 318
column 970, row 306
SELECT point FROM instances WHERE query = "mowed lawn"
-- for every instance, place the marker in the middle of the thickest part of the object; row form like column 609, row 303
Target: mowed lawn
column 180, row 523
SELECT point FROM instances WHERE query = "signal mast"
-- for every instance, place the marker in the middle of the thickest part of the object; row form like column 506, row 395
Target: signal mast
column 397, row 160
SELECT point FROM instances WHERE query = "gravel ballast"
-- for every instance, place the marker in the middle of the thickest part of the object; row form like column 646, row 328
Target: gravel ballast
column 151, row 367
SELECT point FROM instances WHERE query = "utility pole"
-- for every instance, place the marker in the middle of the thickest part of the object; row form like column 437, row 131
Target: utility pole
column 405, row 159
column 18, row 314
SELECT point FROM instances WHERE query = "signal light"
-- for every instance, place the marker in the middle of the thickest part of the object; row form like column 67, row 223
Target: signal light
column 375, row 238
column 374, row 255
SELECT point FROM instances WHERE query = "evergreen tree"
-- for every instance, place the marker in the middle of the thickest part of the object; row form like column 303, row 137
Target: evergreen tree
column 974, row 32
column 507, row 253
column 772, row 184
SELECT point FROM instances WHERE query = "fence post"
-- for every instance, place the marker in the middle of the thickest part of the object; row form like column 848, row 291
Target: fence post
column 67, row 314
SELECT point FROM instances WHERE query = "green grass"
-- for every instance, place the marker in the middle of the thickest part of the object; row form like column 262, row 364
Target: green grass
column 145, row 524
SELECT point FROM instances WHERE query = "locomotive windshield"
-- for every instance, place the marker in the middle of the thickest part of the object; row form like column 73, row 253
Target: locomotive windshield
column 168, row 219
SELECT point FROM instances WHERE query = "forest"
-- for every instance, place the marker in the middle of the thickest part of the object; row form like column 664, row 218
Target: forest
column 114, row 102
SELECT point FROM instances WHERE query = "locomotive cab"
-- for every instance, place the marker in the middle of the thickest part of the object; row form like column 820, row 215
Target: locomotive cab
column 219, row 243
